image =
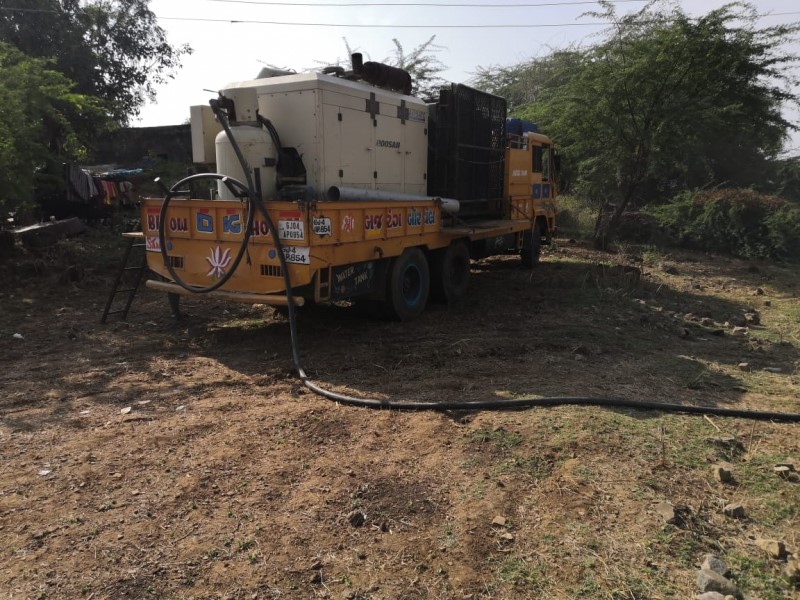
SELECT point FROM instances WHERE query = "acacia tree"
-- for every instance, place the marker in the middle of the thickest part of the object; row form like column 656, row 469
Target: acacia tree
column 531, row 81
column 423, row 65
column 421, row 62
column 666, row 103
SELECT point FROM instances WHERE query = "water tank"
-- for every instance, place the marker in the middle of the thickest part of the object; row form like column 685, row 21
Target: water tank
column 259, row 152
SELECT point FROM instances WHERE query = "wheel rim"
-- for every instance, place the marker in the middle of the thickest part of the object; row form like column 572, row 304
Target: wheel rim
column 412, row 285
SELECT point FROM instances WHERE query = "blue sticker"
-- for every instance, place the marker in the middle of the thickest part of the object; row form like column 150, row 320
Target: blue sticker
column 169, row 245
column 231, row 224
column 272, row 253
column 536, row 189
column 205, row 223
column 545, row 190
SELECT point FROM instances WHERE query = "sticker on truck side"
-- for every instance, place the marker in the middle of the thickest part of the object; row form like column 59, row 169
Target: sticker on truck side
column 297, row 255
column 321, row 226
column 152, row 243
column 291, row 230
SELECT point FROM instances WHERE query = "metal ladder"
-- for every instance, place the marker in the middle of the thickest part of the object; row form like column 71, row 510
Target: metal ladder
column 134, row 241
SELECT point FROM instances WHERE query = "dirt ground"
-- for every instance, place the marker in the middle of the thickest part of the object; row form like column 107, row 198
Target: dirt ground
column 162, row 459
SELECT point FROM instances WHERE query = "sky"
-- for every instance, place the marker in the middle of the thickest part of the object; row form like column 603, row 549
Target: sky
column 224, row 52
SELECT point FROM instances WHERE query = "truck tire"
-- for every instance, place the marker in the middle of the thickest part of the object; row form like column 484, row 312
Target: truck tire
column 450, row 273
column 531, row 247
column 408, row 285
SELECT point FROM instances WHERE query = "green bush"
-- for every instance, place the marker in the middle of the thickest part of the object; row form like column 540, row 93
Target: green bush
column 575, row 218
column 740, row 222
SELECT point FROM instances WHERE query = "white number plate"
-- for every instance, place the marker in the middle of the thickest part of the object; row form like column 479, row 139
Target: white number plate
column 297, row 255
column 291, row 230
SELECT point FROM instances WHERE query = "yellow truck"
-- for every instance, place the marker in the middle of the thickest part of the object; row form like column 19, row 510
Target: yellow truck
column 372, row 193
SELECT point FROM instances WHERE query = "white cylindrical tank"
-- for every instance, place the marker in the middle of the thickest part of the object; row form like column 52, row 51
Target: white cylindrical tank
column 259, row 152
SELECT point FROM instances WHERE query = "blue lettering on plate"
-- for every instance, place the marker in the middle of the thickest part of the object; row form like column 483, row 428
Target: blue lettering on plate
column 430, row 217
column 536, row 190
column 205, row 223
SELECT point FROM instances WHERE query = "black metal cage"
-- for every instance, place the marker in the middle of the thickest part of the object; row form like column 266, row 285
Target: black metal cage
column 466, row 150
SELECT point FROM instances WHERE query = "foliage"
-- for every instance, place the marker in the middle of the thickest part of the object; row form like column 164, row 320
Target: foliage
column 786, row 178
column 38, row 108
column 421, row 62
column 734, row 221
column 664, row 103
column 423, row 65
column 575, row 218
column 531, row 81
column 113, row 50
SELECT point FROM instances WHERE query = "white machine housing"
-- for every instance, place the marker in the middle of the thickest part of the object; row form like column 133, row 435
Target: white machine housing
column 348, row 133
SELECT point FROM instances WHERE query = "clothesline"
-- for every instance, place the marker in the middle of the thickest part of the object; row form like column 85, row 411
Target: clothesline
column 107, row 188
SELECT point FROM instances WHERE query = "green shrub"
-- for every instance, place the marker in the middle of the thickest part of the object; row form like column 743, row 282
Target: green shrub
column 740, row 222
column 575, row 218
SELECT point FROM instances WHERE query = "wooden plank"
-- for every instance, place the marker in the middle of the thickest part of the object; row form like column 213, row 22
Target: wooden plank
column 47, row 234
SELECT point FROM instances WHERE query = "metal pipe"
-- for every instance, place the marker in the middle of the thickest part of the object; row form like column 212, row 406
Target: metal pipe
column 336, row 193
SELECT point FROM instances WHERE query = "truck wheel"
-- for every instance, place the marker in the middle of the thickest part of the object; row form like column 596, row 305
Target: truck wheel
column 531, row 247
column 450, row 273
column 408, row 285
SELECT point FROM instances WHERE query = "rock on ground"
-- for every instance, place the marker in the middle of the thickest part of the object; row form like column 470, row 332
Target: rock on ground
column 711, row 581
column 712, row 563
column 774, row 548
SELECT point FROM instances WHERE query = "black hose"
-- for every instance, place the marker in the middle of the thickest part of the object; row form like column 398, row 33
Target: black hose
column 499, row 404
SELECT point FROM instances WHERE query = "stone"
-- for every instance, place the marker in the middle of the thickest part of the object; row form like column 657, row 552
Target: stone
column 752, row 318
column 722, row 472
column 739, row 331
column 706, row 322
column 713, row 563
column 759, row 292
column 666, row 511
column 767, row 303
column 773, row 369
column 735, row 511
column 792, row 570
column 782, row 471
column 710, row 596
column 743, row 366
column 499, row 521
column 773, row 548
column 711, row 581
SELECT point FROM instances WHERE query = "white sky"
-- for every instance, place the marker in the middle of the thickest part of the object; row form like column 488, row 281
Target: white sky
column 226, row 52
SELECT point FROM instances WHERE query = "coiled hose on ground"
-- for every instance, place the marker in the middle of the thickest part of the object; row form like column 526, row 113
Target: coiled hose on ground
column 255, row 204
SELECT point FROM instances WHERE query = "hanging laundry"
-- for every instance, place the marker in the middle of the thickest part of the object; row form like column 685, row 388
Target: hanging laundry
column 125, row 188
